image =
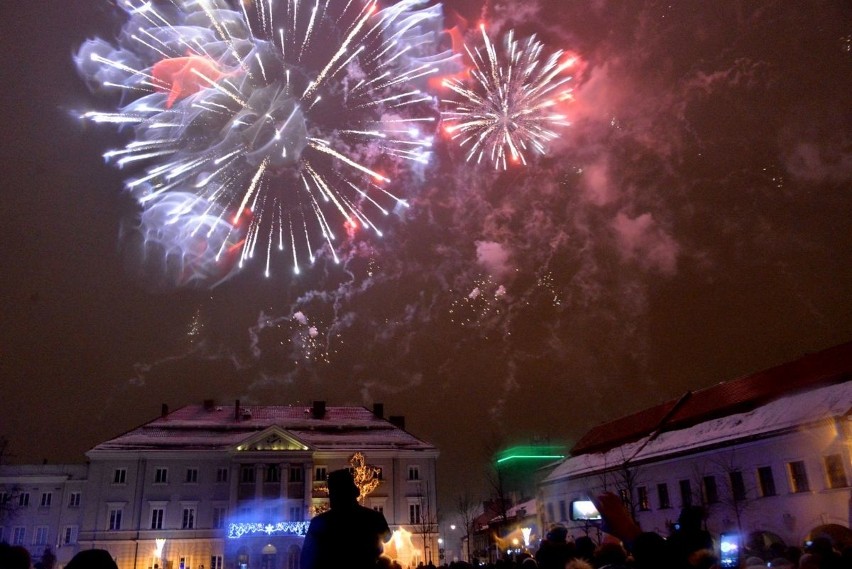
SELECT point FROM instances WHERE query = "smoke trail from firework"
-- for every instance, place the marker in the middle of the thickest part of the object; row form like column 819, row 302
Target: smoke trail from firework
column 509, row 108
column 283, row 121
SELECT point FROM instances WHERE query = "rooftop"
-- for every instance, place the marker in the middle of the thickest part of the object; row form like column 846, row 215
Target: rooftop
column 826, row 367
column 212, row 427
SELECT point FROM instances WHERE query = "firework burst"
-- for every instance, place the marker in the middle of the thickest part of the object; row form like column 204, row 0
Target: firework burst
column 509, row 107
column 265, row 126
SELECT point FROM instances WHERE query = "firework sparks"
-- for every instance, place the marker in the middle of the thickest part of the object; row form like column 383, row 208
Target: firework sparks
column 281, row 121
column 509, row 108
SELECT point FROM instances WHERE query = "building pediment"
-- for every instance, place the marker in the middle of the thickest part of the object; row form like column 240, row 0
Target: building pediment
column 273, row 439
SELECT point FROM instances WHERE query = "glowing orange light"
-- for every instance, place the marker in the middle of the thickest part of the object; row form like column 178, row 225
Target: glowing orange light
column 177, row 76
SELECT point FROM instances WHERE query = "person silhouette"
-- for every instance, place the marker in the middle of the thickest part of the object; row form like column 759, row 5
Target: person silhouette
column 348, row 534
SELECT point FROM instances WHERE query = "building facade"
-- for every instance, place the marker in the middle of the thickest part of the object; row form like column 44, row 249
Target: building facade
column 212, row 487
column 767, row 456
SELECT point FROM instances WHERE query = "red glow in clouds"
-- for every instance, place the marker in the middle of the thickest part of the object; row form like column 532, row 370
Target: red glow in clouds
column 178, row 77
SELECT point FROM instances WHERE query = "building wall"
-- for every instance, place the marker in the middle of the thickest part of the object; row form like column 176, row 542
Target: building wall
column 788, row 513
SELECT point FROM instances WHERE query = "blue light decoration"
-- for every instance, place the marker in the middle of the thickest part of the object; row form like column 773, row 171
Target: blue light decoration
column 236, row 531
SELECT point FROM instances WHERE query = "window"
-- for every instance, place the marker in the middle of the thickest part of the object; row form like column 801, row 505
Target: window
column 119, row 476
column 414, row 513
column 114, row 519
column 161, row 476
column 663, row 496
column 321, row 474
column 642, row 498
column 215, row 562
column 24, row 499
column 295, row 474
column 40, row 535
column 563, row 514
column 219, row 515
column 46, row 499
column 69, row 535
column 738, row 489
column 296, row 513
column 18, row 535
column 157, row 518
column 380, row 473
column 191, row 476
column 247, row 474
column 685, row 493
column 550, row 516
column 711, row 492
column 624, row 494
column 766, row 480
column 188, row 518
column 378, row 508
column 273, row 473
column 834, row 471
column 5, row 498
column 798, row 476
column 221, row 474
column 74, row 500
column 270, row 514
column 414, row 473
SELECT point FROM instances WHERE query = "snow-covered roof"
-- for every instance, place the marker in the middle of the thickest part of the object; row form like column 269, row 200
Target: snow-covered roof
column 777, row 416
column 200, row 427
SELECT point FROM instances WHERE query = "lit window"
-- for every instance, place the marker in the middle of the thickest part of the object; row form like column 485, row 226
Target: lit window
column 767, row 481
column 161, row 476
column 191, row 476
column 624, row 494
column 798, row 476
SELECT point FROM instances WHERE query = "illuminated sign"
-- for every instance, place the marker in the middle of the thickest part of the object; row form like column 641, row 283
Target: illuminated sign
column 236, row 531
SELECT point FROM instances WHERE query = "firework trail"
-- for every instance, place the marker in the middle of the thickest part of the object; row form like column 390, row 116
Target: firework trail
column 265, row 126
column 508, row 108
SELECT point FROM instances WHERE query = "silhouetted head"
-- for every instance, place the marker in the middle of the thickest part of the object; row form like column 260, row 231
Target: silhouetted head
column 341, row 488
column 92, row 559
column 690, row 518
column 557, row 533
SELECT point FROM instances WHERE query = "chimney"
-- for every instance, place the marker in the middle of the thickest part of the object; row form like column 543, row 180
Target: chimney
column 164, row 410
column 318, row 409
column 237, row 411
column 397, row 421
column 379, row 410
column 209, row 404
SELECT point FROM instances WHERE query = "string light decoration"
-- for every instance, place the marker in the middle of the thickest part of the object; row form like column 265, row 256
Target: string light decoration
column 238, row 530
column 366, row 476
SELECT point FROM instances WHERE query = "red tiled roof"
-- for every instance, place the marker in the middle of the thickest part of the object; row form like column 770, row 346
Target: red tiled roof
column 821, row 368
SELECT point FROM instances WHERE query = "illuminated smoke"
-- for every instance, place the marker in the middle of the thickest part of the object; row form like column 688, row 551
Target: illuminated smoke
column 279, row 123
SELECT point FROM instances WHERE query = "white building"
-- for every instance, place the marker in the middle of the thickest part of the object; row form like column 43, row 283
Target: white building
column 207, row 487
column 41, row 508
column 767, row 453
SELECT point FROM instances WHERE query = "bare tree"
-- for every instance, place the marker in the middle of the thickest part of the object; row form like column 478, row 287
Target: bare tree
column 734, row 499
column 426, row 524
column 467, row 508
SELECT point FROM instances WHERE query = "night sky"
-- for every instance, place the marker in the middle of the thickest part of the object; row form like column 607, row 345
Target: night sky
column 691, row 226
